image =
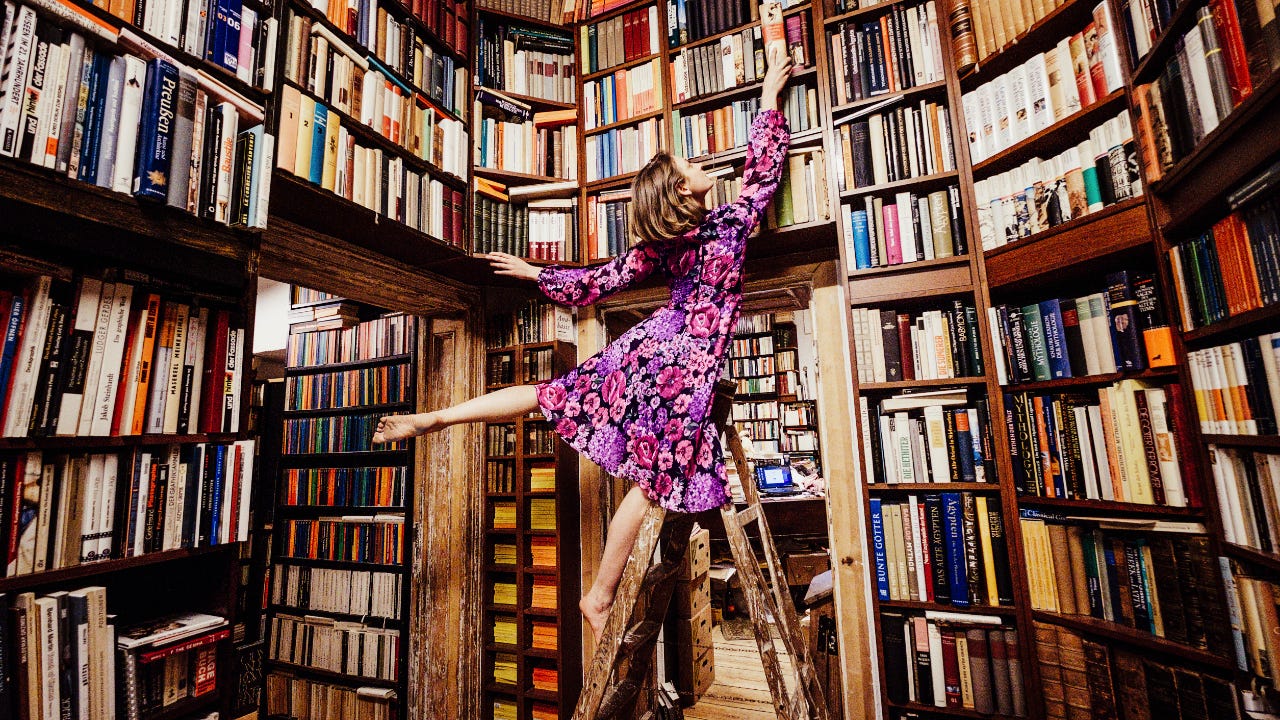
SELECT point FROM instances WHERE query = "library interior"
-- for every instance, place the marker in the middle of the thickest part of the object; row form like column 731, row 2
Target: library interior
column 640, row 359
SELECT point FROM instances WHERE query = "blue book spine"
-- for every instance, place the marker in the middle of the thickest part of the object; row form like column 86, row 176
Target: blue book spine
column 318, row 129
column 12, row 330
column 219, row 471
column 92, row 118
column 1055, row 339
column 965, row 447
column 215, row 25
column 877, row 544
column 1233, row 611
column 155, row 137
column 228, row 53
column 1141, row 599
column 1113, row 580
column 682, row 22
column 861, row 240
column 957, row 570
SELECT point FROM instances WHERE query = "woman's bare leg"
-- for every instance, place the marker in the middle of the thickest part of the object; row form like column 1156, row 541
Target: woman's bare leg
column 498, row 405
column 597, row 602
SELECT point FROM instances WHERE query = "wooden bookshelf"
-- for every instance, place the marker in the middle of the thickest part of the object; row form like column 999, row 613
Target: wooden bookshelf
column 567, row 658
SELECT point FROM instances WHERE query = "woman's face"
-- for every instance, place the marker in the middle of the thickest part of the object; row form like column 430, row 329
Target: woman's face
column 696, row 181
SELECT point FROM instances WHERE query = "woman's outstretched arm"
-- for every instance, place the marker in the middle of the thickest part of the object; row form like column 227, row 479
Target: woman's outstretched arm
column 584, row 286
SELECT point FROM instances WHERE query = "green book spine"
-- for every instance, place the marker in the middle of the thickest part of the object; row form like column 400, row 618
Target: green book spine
column 1036, row 342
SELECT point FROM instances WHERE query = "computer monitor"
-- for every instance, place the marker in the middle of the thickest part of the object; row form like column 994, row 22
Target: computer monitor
column 773, row 477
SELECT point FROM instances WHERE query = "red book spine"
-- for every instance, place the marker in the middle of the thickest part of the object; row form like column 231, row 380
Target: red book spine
column 1177, row 412
column 1231, row 39
column 215, row 368
column 950, row 669
column 459, row 222
column 905, row 349
column 182, row 647
column 1224, row 241
column 19, row 470
column 1249, row 265
column 926, row 557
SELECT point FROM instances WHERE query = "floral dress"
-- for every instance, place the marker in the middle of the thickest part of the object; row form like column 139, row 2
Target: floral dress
column 640, row 408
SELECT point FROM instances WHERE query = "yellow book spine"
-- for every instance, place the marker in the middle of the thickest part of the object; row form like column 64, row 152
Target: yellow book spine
column 984, row 533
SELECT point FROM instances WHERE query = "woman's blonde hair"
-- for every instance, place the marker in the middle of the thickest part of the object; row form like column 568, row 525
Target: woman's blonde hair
column 658, row 211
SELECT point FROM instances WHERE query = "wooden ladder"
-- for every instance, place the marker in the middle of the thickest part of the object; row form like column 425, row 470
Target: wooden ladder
column 625, row 652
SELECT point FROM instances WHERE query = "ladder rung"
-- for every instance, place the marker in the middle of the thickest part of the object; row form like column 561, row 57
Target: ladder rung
column 751, row 514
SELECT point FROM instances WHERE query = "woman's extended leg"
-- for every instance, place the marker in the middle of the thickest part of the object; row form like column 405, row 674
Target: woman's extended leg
column 498, row 405
column 597, row 602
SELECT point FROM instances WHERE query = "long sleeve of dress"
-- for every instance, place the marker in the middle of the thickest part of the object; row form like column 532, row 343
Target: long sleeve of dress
column 584, row 286
column 766, row 160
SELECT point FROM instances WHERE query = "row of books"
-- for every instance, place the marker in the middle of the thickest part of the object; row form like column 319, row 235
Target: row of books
column 752, row 366
column 1043, row 193
column 1077, row 72
column 935, row 437
column 1121, row 444
column 1081, row 678
column 909, row 229
column 1121, row 330
column 535, row 321
column 945, row 548
column 622, row 95
column 923, row 345
column 538, row 365
column 691, row 20
column 544, row 230
column 539, row 438
column 525, row 60
column 953, row 660
column 531, row 143
column 300, row 295
column 152, row 680
column 136, row 118
column 291, row 696
column 897, row 51
column 375, row 540
column 98, row 358
column 388, row 336
column 1237, row 386
column 802, row 196
column 382, row 486
column 608, row 224
column 321, row 147
column 552, row 11
column 500, row 369
column 381, row 385
column 348, row 592
column 1254, row 622
column 995, row 25
column 349, row 648
column 1247, row 484
column 500, row 439
column 896, row 144
column 618, row 40
column 1162, row 582
column 1230, row 268
column 621, row 151
column 67, row 510
column 737, row 59
column 1232, row 49
column 500, row 476
column 359, row 84
column 334, row 434
column 728, row 127
column 446, row 21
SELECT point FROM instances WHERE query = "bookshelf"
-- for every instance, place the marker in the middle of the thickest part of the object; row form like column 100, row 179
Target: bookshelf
column 531, row 576
column 342, row 512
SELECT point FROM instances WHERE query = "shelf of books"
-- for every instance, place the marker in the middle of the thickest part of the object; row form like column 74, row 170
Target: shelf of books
column 533, row 663
column 338, row 581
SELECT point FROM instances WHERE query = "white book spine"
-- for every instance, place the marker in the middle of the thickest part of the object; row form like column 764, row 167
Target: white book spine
column 107, row 507
column 91, row 512
column 130, row 119
column 55, row 85
column 18, row 64
column 50, row 645
column 112, row 357
column 26, row 365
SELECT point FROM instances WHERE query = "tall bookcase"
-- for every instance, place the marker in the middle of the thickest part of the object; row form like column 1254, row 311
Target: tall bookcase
column 342, row 517
column 531, row 560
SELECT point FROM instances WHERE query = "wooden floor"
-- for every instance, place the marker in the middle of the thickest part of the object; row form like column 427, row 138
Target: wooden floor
column 739, row 691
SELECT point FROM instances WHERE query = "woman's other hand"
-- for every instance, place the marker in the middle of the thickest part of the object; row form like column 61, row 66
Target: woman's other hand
column 512, row 266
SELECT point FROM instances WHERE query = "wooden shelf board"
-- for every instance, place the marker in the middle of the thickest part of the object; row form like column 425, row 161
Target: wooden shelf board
column 1110, row 507
column 921, row 605
column 396, row 568
column 1270, row 561
column 1170, row 373
column 89, row 570
column 933, row 487
column 909, row 384
column 340, row 509
column 911, row 281
column 511, row 177
column 1270, row 442
column 909, row 267
column 340, row 678
column 634, row 119
column 926, row 88
column 616, row 11
column 184, row 708
column 515, row 17
column 719, row 98
column 91, row 443
column 1065, row 132
column 534, row 100
column 911, row 295
column 934, row 179
column 1232, row 327
column 596, row 75
column 351, row 365
column 609, row 183
column 876, row 8
column 1134, row 638
column 370, row 620
column 526, row 346
column 947, row 711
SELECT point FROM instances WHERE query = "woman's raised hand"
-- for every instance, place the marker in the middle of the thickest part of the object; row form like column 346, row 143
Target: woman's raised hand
column 512, row 266
column 775, row 77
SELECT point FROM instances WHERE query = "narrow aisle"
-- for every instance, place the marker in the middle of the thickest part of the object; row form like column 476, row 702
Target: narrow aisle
column 740, row 691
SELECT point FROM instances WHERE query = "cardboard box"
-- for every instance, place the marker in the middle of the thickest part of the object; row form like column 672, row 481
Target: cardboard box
column 802, row 568
column 693, row 637
column 698, row 557
column 692, row 596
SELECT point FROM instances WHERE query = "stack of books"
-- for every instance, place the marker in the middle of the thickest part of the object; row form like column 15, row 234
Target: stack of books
column 546, row 679
column 504, row 631
column 545, row 635
column 542, row 552
column 504, row 668
column 542, row 514
column 504, row 516
column 546, row 593
column 542, row 479
column 161, row 663
column 504, row 554
column 504, row 593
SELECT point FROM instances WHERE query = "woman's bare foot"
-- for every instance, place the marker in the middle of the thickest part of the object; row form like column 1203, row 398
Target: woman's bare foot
column 596, row 611
column 400, row 427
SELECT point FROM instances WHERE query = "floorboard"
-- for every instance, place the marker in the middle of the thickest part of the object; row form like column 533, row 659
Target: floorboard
column 739, row 691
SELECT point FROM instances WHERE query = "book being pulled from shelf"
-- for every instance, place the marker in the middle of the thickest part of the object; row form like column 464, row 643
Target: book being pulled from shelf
column 59, row 650
column 536, row 321
column 544, row 229
column 121, row 122
column 349, row 592
column 880, row 233
column 1237, row 386
column 737, row 59
column 945, row 548
column 896, row 51
column 1231, row 268
column 349, row 648
column 98, row 358
column 925, row 345
column 290, row 696
column 510, row 136
column 1041, row 193
column 1123, row 443
column 319, row 145
column 1233, row 48
column 394, row 334
column 896, row 144
column 382, row 385
column 622, row 39
column 382, row 486
column 938, row 436
column 1165, row 583
column 622, row 95
column 624, row 150
column 375, row 540
column 1075, row 73
column 525, row 60
column 365, row 90
column 1120, row 330
column 1081, row 677
column 959, row 661
column 608, row 224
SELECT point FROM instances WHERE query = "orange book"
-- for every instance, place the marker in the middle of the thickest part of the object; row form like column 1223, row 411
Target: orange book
column 889, row 65
column 146, row 366
column 1109, row 434
column 1042, row 434
column 1228, row 261
column 772, row 27
column 621, row 98
column 1248, row 264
